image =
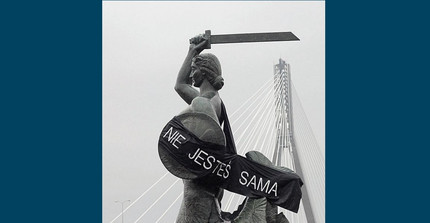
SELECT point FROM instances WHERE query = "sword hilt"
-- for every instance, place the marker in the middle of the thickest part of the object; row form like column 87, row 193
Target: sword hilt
column 200, row 38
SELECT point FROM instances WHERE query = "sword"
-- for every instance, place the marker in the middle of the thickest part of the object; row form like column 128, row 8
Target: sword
column 243, row 38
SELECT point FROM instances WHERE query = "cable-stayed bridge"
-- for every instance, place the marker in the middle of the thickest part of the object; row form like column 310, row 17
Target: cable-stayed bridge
column 271, row 121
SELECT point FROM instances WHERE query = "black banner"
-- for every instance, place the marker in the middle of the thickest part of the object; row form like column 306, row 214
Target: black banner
column 230, row 171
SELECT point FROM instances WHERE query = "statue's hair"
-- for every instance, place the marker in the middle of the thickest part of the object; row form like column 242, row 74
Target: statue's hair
column 211, row 66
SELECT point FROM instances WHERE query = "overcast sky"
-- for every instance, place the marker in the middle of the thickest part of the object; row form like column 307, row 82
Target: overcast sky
column 144, row 44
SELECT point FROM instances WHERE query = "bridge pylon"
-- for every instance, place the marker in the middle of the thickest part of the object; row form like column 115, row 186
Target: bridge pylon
column 285, row 153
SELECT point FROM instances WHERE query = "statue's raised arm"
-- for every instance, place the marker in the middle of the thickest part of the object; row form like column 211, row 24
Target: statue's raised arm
column 204, row 72
column 184, row 80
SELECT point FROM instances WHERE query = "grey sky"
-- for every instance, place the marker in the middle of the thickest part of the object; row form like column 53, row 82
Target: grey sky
column 144, row 44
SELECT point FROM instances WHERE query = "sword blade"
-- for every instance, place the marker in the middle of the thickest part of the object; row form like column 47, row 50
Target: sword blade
column 253, row 37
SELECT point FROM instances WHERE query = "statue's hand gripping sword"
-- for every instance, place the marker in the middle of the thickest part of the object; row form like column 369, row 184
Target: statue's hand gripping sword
column 243, row 38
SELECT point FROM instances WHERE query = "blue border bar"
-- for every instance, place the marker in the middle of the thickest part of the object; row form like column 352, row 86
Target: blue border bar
column 51, row 89
column 377, row 111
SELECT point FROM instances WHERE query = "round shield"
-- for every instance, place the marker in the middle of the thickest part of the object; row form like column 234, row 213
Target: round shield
column 202, row 126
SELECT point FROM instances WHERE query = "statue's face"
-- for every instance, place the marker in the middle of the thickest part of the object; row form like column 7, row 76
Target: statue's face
column 196, row 75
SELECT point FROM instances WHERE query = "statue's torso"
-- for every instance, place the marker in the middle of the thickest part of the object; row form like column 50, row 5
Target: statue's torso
column 202, row 119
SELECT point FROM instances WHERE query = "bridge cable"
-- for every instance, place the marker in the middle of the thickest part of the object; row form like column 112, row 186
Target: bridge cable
column 257, row 110
column 162, row 215
column 152, row 205
column 143, row 194
column 251, row 139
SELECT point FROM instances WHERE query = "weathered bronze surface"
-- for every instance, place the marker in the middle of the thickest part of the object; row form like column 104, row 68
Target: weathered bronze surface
column 201, row 202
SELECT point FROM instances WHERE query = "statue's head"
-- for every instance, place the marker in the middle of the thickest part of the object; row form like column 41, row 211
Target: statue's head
column 210, row 67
